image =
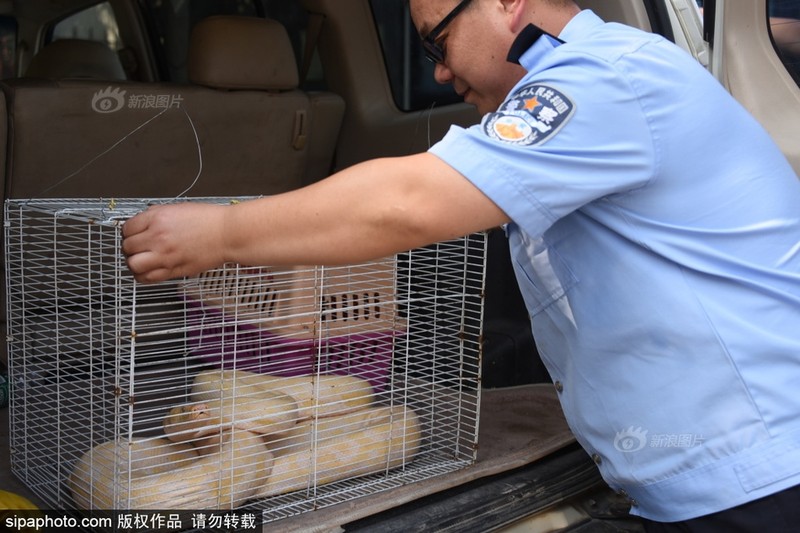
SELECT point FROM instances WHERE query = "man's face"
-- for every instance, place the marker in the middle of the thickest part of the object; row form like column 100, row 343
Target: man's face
column 475, row 44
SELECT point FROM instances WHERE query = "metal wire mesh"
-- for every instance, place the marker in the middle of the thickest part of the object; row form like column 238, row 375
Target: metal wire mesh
column 281, row 390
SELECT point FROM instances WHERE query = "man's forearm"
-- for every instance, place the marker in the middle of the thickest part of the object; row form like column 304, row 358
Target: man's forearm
column 367, row 211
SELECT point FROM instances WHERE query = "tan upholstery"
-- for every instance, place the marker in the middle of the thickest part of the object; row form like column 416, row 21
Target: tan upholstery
column 327, row 112
column 239, row 133
column 236, row 53
column 76, row 58
column 89, row 138
column 229, row 52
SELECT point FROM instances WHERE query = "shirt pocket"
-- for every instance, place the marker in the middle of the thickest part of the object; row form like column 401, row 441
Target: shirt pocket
column 543, row 274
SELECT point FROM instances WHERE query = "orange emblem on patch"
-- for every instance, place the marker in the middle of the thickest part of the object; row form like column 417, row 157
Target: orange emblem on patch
column 531, row 103
column 509, row 131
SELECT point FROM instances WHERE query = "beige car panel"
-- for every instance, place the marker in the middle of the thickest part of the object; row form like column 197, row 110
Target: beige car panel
column 752, row 71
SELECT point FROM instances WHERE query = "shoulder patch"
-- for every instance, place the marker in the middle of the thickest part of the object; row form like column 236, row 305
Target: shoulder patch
column 530, row 116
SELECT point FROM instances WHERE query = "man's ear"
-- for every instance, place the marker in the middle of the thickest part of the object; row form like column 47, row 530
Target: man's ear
column 515, row 11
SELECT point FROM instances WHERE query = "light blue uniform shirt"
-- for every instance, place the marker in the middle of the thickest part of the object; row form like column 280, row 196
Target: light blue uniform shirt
column 656, row 240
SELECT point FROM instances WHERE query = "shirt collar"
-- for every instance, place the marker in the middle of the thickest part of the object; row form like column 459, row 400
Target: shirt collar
column 531, row 34
column 526, row 39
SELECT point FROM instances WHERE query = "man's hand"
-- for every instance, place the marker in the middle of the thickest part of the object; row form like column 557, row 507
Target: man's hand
column 172, row 241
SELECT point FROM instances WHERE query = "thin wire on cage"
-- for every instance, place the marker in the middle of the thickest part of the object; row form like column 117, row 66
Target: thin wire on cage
column 122, row 140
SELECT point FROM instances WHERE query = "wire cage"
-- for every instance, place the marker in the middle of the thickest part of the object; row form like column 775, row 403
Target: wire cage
column 276, row 389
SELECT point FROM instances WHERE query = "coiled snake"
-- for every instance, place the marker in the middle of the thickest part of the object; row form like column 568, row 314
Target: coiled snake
column 245, row 436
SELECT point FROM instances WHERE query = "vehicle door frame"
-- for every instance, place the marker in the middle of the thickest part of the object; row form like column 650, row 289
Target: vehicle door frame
column 747, row 64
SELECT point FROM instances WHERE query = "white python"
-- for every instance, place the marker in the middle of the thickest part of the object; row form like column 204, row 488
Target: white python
column 274, row 435
column 316, row 395
column 375, row 439
column 165, row 475
column 253, row 409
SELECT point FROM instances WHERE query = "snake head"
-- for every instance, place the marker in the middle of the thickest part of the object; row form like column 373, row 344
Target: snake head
column 187, row 422
column 196, row 411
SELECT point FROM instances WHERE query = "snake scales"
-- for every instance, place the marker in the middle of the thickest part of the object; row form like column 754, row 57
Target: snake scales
column 245, row 436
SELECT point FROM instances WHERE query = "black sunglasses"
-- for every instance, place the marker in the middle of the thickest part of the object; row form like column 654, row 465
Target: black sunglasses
column 433, row 51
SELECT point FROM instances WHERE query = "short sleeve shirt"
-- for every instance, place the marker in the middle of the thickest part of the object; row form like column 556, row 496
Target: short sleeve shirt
column 655, row 236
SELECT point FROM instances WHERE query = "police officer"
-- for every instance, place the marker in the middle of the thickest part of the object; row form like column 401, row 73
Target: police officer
column 654, row 230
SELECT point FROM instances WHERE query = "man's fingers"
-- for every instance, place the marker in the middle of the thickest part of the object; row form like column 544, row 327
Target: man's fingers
column 167, row 242
column 146, row 268
column 141, row 264
column 154, row 276
column 130, row 247
column 135, row 245
column 137, row 224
